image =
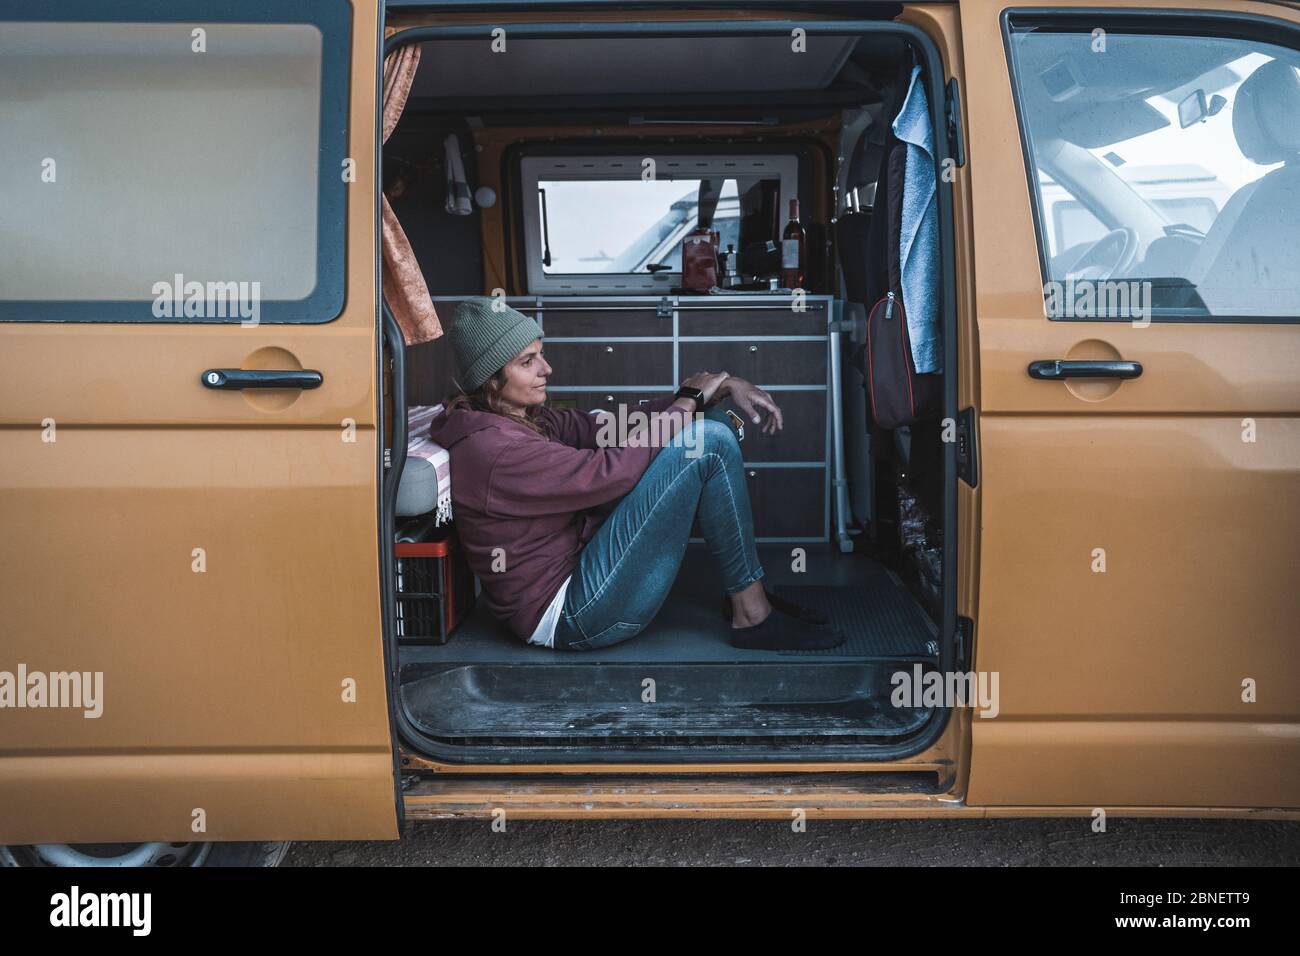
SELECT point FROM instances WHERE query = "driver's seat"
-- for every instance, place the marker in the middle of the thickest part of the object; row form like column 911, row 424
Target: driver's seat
column 1247, row 264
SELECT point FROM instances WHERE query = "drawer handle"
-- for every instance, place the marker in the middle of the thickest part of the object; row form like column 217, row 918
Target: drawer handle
column 753, row 348
column 752, row 473
column 609, row 348
column 609, row 398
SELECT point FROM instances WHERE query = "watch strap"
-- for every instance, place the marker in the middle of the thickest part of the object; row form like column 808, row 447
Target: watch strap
column 694, row 394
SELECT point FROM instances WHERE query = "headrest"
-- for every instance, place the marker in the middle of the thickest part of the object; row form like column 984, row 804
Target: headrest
column 1266, row 116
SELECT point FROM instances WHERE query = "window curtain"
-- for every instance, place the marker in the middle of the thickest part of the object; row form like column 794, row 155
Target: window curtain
column 405, row 290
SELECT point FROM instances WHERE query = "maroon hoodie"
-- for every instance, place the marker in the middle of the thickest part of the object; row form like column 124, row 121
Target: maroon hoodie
column 536, row 497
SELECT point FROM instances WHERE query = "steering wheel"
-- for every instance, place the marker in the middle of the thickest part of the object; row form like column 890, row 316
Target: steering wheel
column 1111, row 255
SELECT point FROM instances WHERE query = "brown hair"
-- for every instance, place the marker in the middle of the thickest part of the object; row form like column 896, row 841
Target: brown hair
column 487, row 398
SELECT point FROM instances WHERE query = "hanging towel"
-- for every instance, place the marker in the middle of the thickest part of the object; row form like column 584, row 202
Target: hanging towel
column 457, row 188
column 919, row 238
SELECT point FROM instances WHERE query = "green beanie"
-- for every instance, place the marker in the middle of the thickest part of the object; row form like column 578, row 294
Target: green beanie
column 485, row 334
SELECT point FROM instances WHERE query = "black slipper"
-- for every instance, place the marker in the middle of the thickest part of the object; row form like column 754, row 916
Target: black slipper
column 809, row 614
column 780, row 631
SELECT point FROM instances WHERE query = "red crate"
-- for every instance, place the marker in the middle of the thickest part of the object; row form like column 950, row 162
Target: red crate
column 435, row 590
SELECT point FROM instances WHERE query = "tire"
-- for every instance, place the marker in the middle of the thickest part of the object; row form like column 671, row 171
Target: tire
column 265, row 853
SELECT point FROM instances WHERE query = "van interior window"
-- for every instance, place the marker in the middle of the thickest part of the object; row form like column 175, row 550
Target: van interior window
column 649, row 205
column 645, row 226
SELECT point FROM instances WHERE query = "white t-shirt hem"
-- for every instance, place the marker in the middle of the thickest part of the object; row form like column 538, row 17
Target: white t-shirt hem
column 544, row 635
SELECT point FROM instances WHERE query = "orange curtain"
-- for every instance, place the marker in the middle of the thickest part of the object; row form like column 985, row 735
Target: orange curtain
column 405, row 290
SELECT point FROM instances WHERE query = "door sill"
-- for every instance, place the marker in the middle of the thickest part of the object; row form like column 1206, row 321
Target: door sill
column 734, row 796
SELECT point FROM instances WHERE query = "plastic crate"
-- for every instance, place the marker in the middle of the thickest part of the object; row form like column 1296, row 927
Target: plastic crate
column 435, row 590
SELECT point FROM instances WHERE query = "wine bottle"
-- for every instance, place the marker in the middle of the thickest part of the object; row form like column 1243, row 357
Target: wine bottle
column 793, row 250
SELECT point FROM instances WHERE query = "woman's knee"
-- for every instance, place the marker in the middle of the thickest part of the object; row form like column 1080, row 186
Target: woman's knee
column 703, row 443
column 711, row 435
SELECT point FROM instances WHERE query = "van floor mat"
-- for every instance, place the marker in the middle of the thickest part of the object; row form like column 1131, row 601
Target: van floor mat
column 867, row 601
column 878, row 621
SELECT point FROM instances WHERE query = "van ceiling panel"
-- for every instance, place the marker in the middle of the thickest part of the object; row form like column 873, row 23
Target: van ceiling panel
column 577, row 66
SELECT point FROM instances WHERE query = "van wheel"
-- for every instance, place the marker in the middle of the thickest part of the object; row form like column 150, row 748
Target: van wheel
column 265, row 853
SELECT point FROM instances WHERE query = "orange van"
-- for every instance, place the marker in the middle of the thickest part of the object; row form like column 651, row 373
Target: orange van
column 232, row 612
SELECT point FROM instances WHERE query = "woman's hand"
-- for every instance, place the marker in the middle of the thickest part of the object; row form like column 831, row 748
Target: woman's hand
column 756, row 404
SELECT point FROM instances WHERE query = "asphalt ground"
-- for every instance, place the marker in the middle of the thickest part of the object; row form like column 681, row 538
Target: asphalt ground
column 1025, row 842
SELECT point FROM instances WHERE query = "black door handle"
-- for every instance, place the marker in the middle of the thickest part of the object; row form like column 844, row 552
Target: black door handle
column 1055, row 369
column 230, row 378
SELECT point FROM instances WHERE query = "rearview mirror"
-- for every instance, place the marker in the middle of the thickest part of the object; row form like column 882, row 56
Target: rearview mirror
column 1194, row 109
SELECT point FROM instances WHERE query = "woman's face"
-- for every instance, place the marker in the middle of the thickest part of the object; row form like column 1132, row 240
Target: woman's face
column 525, row 378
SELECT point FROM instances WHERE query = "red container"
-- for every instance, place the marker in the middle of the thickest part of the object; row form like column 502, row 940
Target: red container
column 700, row 260
column 435, row 590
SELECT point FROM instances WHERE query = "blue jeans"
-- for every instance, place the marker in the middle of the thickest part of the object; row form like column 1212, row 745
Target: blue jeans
column 627, row 569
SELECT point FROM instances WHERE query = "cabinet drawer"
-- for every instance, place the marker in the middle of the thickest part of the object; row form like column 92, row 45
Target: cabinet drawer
column 804, row 435
column 605, row 401
column 619, row 363
column 603, row 323
column 715, row 321
column 763, row 363
column 787, row 502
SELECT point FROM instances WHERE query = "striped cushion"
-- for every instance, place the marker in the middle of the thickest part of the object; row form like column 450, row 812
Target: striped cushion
column 420, row 445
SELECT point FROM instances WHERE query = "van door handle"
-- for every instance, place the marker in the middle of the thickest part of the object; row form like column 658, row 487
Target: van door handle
column 231, row 378
column 1056, row 369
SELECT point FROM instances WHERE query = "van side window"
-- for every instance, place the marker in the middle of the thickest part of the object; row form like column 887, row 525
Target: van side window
column 173, row 172
column 1164, row 170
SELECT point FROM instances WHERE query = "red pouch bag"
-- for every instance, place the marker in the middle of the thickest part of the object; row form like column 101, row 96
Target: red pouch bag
column 898, row 394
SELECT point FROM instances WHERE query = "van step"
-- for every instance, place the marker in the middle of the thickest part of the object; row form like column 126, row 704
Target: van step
column 660, row 700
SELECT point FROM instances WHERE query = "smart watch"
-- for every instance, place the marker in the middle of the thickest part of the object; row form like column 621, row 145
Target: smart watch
column 693, row 393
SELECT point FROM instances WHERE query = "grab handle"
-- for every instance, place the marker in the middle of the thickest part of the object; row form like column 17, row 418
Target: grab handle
column 235, row 378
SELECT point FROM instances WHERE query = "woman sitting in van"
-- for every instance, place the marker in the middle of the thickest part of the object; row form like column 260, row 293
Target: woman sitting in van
column 577, row 540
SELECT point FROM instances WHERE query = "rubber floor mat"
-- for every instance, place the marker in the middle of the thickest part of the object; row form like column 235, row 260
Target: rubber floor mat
column 879, row 621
